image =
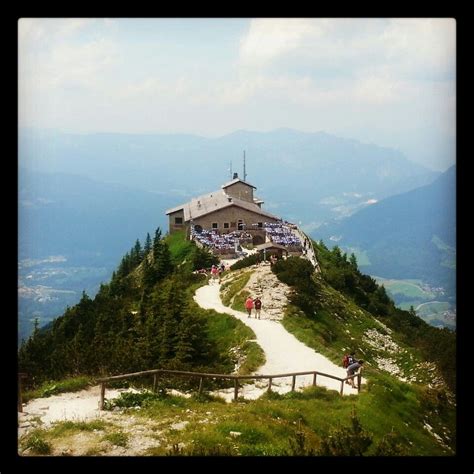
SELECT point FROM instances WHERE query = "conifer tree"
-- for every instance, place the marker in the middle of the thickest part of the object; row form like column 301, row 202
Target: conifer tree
column 163, row 265
column 137, row 254
column 191, row 342
column 148, row 245
column 157, row 243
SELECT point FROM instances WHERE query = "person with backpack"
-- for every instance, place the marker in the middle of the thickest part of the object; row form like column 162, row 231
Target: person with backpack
column 353, row 369
column 348, row 359
column 257, row 302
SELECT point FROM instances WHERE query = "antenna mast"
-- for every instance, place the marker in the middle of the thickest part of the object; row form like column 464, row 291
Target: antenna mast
column 230, row 170
column 245, row 174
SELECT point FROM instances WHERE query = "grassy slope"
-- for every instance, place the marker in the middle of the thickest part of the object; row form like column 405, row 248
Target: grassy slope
column 267, row 425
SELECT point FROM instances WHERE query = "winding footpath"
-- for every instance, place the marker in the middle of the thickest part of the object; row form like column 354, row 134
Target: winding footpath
column 283, row 352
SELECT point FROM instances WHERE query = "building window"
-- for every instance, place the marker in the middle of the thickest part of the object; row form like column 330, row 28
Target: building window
column 215, row 225
column 178, row 220
column 226, row 225
column 260, row 224
column 240, row 225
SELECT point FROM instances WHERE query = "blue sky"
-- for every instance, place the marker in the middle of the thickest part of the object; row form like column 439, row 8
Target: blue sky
column 386, row 81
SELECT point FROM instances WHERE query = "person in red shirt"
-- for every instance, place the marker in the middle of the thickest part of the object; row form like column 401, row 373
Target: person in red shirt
column 249, row 305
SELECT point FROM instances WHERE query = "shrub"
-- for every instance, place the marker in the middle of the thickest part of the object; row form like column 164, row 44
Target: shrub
column 346, row 441
column 246, row 262
column 37, row 444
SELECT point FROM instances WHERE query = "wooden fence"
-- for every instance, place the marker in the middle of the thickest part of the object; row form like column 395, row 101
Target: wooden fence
column 159, row 372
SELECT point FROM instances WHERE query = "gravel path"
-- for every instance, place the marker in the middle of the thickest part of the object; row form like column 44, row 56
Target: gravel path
column 283, row 352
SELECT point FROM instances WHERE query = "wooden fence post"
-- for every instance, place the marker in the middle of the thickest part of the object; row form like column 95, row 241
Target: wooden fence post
column 236, row 389
column 102, row 396
column 293, row 383
column 314, row 379
column 359, row 381
column 155, row 382
column 269, row 389
column 200, row 386
column 342, row 386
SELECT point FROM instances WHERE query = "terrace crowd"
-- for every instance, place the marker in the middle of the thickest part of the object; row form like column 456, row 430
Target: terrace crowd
column 281, row 233
column 221, row 243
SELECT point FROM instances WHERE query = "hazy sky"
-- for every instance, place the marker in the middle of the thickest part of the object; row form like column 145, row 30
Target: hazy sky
column 386, row 81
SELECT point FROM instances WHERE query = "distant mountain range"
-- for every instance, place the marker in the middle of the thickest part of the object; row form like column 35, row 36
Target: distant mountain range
column 88, row 221
column 306, row 177
column 410, row 235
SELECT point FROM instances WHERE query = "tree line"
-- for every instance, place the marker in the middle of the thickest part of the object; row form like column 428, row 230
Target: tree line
column 141, row 319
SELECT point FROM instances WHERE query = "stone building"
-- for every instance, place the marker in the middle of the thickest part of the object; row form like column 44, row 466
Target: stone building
column 233, row 207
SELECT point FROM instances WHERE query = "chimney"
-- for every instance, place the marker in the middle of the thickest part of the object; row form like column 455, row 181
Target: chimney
column 236, row 175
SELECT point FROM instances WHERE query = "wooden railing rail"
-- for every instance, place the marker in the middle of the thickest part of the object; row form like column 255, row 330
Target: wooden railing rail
column 156, row 372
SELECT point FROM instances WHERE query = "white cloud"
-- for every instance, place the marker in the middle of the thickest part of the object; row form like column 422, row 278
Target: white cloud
column 403, row 47
column 269, row 38
column 374, row 79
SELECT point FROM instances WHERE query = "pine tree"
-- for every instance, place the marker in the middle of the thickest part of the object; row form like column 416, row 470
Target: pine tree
column 163, row 264
column 136, row 254
column 191, row 345
column 353, row 261
column 148, row 245
column 148, row 275
column 157, row 243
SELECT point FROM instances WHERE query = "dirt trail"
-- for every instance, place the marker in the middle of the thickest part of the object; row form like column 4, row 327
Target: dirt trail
column 283, row 352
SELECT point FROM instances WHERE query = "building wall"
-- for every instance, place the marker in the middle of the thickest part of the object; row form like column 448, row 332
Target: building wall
column 240, row 191
column 172, row 225
column 231, row 215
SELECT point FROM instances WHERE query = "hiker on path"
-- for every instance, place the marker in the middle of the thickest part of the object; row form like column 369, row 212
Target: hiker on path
column 353, row 369
column 257, row 302
column 249, row 305
column 214, row 273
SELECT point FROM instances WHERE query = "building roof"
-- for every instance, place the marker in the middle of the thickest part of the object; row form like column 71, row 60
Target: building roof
column 202, row 205
column 237, row 180
column 270, row 245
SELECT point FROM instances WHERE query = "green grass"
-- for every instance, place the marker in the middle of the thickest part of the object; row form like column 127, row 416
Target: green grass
column 117, row 438
column 231, row 290
column 68, row 428
column 255, row 358
column 227, row 332
column 36, row 443
column 271, row 425
column 179, row 246
column 54, row 387
column 267, row 426
column 238, row 302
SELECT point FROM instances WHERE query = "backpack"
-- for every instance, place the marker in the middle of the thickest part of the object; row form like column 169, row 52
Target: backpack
column 258, row 304
column 345, row 361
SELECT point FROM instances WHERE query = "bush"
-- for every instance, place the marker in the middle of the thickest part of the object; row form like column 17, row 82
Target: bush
column 37, row 444
column 346, row 441
column 246, row 262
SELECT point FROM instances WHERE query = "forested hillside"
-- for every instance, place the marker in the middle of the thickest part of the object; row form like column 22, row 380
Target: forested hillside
column 331, row 308
column 141, row 319
column 410, row 235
